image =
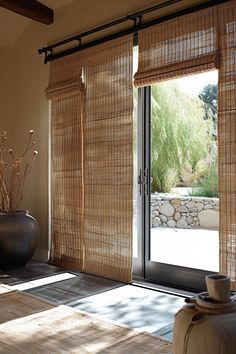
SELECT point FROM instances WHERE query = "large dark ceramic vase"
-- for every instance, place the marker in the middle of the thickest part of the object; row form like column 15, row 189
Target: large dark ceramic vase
column 18, row 238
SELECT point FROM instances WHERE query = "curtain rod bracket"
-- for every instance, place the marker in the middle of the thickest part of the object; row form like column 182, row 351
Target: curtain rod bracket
column 46, row 58
column 136, row 19
column 80, row 41
column 140, row 20
column 45, row 52
column 42, row 50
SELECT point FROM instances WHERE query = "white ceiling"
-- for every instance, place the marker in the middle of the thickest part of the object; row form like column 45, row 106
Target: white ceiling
column 13, row 25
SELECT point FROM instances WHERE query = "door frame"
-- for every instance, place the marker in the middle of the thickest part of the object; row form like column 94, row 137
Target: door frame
column 143, row 134
column 143, row 268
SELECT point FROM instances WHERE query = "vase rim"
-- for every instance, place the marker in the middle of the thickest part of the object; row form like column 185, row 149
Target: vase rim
column 18, row 211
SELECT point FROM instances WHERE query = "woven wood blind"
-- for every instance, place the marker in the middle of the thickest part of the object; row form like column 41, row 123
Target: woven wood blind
column 92, row 163
column 66, row 93
column 181, row 46
column 108, row 132
column 227, row 139
column 65, row 77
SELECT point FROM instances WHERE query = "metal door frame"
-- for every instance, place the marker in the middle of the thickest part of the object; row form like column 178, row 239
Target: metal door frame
column 143, row 268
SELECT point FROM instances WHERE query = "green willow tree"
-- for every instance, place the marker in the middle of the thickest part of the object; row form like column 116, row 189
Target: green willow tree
column 180, row 135
column 209, row 96
column 208, row 185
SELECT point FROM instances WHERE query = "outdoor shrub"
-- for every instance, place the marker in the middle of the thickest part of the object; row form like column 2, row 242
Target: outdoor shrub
column 168, row 178
column 208, row 187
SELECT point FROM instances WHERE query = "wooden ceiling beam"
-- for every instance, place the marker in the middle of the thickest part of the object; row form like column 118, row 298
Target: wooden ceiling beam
column 29, row 8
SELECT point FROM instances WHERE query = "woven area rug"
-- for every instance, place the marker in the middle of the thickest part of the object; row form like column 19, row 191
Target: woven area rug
column 32, row 325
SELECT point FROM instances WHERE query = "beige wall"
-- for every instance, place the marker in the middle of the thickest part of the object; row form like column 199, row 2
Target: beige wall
column 6, row 66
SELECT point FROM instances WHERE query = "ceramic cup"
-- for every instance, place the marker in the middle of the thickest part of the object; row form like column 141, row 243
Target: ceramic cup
column 218, row 287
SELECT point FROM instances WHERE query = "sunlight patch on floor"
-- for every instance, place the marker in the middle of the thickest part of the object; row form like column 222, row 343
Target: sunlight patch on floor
column 42, row 281
column 136, row 307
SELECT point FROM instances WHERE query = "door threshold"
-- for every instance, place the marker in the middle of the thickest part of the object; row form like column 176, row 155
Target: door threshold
column 162, row 288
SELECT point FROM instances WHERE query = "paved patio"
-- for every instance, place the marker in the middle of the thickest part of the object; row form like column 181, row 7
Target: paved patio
column 194, row 248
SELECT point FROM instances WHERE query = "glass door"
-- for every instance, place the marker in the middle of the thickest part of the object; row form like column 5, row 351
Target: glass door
column 177, row 183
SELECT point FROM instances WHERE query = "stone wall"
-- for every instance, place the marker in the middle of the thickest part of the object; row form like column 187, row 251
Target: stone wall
column 184, row 212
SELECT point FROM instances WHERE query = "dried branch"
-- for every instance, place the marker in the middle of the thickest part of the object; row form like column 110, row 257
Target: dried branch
column 13, row 174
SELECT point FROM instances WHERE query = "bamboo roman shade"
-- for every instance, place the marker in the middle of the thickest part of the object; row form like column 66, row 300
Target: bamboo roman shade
column 108, row 132
column 181, row 46
column 65, row 77
column 92, row 167
column 66, row 93
column 227, row 139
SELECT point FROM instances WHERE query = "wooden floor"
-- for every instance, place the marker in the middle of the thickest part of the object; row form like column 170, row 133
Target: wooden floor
column 135, row 306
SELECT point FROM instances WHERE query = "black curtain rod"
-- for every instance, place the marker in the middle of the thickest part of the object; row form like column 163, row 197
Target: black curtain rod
column 137, row 26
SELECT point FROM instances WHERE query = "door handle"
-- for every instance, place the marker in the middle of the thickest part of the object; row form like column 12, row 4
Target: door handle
column 143, row 180
column 140, row 181
column 146, row 181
